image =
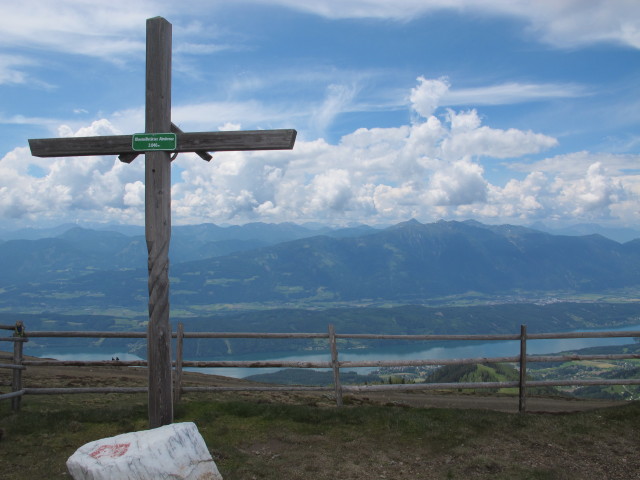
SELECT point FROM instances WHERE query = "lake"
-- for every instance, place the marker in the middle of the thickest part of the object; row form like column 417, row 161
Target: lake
column 426, row 350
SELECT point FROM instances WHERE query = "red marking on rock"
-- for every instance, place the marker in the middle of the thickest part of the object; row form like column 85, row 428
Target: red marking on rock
column 112, row 451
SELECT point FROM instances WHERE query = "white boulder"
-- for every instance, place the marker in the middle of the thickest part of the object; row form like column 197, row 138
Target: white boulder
column 176, row 452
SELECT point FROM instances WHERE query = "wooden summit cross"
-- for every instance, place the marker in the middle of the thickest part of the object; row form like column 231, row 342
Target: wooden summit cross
column 161, row 142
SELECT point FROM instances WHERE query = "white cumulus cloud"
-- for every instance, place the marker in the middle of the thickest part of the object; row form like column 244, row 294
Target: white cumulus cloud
column 431, row 168
column 425, row 97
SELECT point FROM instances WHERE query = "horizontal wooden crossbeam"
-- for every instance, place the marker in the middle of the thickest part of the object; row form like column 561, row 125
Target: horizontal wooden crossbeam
column 186, row 142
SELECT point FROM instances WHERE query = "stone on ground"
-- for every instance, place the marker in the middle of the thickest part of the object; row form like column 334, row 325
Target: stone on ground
column 175, row 451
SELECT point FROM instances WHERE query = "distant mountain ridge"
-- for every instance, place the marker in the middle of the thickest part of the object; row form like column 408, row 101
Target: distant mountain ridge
column 69, row 250
column 619, row 234
column 406, row 263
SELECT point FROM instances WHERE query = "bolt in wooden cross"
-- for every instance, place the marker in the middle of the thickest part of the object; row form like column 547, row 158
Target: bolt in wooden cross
column 160, row 143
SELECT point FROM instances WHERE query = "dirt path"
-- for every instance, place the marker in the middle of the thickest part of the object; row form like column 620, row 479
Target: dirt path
column 486, row 402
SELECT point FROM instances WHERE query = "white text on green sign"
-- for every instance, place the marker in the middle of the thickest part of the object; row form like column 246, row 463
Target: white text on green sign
column 144, row 142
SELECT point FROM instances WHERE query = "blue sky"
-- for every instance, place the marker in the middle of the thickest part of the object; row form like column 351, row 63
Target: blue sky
column 503, row 111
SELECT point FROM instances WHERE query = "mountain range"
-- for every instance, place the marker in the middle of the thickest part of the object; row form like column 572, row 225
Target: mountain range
column 290, row 264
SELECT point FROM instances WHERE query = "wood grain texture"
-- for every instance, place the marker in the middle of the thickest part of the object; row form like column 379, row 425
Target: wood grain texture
column 16, row 382
column 283, row 139
column 522, row 388
column 335, row 365
column 177, row 384
column 158, row 222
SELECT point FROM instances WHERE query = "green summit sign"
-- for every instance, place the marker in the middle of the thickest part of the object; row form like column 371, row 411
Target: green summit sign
column 145, row 142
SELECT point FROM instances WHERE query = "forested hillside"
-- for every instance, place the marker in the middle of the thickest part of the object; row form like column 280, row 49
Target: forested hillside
column 409, row 263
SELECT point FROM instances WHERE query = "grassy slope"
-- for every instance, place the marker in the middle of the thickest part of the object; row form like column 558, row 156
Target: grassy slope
column 270, row 438
column 304, row 436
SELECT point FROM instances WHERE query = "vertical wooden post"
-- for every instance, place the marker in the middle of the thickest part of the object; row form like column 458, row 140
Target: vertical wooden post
column 16, row 382
column 177, row 386
column 336, row 366
column 158, row 221
column 522, row 406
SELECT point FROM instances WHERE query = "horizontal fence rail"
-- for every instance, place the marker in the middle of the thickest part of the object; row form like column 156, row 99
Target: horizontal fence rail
column 45, row 334
column 19, row 364
column 367, row 336
column 429, row 386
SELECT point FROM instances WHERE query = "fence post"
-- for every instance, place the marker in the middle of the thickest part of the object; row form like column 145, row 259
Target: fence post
column 522, row 406
column 16, row 383
column 335, row 365
column 177, row 386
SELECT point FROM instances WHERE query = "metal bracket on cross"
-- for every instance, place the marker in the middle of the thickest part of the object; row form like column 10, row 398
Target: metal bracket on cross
column 129, row 157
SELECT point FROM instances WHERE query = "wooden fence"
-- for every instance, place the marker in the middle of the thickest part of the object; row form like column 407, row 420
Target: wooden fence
column 18, row 363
